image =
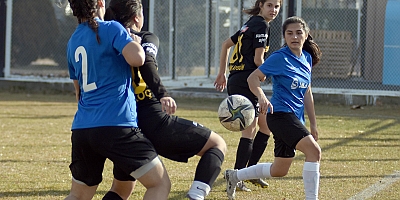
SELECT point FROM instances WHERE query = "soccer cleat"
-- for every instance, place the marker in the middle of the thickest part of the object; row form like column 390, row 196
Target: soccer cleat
column 258, row 182
column 242, row 187
column 230, row 183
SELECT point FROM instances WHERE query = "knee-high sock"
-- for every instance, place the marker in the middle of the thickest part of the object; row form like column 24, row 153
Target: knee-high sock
column 259, row 144
column 209, row 166
column 260, row 170
column 243, row 152
column 311, row 180
column 207, row 171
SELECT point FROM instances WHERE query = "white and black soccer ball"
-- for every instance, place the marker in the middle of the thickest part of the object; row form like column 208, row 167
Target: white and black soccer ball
column 236, row 112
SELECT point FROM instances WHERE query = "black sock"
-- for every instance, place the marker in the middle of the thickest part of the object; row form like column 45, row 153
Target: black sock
column 111, row 196
column 259, row 145
column 209, row 166
column 243, row 152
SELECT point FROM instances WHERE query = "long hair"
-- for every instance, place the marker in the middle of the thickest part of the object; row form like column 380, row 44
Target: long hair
column 86, row 10
column 255, row 10
column 123, row 11
column 309, row 45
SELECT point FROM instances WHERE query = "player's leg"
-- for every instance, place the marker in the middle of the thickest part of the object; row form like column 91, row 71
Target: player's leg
column 298, row 137
column 260, row 143
column 134, row 155
column 86, row 166
column 122, row 186
column 155, row 179
column 207, row 170
column 311, row 174
column 80, row 191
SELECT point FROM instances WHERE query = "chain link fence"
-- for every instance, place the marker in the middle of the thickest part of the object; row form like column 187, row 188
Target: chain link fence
column 357, row 38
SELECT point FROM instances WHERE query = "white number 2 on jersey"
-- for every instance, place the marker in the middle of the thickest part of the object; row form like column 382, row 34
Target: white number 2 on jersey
column 86, row 87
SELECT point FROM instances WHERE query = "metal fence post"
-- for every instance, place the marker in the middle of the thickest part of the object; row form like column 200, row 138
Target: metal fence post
column 3, row 17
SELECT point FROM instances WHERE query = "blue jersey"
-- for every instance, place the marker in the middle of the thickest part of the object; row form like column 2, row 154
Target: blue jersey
column 291, row 76
column 106, row 97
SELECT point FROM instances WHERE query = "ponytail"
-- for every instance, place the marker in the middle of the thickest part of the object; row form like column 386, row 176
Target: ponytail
column 313, row 49
column 86, row 10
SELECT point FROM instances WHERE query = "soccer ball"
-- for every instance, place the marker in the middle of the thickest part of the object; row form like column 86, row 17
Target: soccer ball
column 236, row 112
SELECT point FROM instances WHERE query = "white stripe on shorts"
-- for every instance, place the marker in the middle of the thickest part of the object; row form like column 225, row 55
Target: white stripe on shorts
column 145, row 168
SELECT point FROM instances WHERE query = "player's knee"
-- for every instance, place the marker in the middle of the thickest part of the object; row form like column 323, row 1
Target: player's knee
column 313, row 154
column 218, row 142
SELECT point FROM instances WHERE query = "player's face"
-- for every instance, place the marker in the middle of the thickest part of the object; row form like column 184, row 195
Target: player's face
column 270, row 9
column 295, row 36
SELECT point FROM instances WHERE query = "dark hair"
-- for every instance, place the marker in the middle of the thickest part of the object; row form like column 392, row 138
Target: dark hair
column 255, row 10
column 123, row 11
column 86, row 10
column 309, row 45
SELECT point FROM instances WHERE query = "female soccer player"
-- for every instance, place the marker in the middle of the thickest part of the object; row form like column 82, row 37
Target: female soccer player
column 105, row 126
column 290, row 69
column 173, row 137
column 251, row 42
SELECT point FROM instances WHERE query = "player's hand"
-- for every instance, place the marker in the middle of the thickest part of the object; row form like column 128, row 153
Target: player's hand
column 314, row 132
column 168, row 105
column 220, row 82
column 264, row 104
column 135, row 38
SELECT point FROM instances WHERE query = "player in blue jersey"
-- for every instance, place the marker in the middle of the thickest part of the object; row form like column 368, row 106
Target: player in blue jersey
column 290, row 69
column 251, row 43
column 174, row 138
column 100, row 55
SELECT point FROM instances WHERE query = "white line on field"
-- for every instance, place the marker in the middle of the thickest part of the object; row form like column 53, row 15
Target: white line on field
column 378, row 186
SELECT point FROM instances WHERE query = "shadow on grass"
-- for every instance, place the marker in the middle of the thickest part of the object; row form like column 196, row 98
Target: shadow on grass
column 177, row 195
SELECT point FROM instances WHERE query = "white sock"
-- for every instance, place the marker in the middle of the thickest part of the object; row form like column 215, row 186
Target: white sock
column 311, row 180
column 199, row 190
column 260, row 170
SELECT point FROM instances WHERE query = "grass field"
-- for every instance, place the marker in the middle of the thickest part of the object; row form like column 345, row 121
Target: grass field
column 360, row 149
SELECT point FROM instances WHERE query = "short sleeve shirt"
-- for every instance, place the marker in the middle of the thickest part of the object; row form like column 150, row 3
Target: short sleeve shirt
column 104, row 77
column 291, row 76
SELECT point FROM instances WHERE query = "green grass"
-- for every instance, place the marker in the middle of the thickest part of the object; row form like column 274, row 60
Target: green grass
column 359, row 148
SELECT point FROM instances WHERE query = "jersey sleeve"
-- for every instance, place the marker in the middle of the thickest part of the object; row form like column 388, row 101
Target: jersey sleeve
column 71, row 68
column 149, row 70
column 235, row 37
column 272, row 65
column 119, row 36
column 260, row 35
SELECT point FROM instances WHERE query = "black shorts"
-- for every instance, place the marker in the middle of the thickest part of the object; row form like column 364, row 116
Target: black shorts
column 176, row 138
column 245, row 91
column 288, row 131
column 126, row 147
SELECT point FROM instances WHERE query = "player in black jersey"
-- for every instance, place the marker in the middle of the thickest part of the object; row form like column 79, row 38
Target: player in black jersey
column 173, row 137
column 251, row 42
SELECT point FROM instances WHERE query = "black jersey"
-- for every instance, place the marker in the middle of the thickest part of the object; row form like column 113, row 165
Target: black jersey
column 253, row 34
column 147, row 84
column 173, row 137
column 148, row 87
